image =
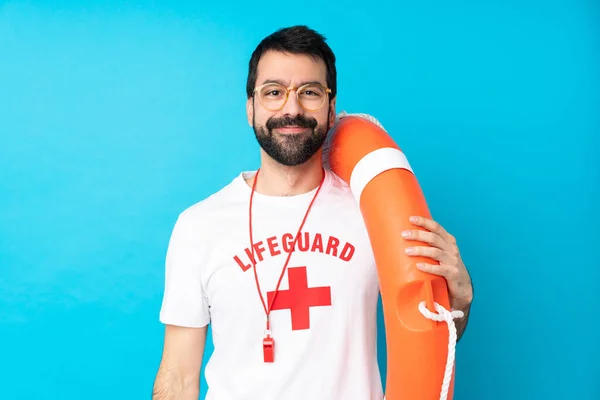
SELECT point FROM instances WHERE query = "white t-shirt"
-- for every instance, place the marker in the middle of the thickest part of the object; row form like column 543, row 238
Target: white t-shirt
column 324, row 317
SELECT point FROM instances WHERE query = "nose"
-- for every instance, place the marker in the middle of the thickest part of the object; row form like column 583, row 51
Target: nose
column 292, row 107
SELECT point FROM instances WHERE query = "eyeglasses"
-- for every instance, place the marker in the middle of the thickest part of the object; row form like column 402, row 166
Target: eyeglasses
column 311, row 97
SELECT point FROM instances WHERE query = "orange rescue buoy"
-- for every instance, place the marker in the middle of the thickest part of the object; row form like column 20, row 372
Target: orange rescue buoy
column 420, row 332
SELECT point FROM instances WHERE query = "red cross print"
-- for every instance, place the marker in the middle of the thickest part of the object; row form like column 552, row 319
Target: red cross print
column 299, row 298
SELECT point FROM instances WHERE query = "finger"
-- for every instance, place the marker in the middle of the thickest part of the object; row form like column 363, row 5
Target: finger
column 436, row 269
column 433, row 226
column 427, row 237
column 432, row 252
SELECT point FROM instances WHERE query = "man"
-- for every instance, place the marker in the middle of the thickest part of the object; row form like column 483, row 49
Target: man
column 319, row 294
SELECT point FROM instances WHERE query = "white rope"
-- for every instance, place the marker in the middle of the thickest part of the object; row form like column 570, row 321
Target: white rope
column 448, row 317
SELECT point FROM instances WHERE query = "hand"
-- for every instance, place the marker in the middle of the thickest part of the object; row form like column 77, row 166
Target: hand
column 445, row 251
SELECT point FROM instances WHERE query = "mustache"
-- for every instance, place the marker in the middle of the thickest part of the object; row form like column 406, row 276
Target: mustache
column 299, row 120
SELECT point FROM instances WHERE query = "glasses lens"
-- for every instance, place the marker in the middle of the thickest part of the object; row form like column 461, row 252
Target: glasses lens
column 272, row 96
column 312, row 97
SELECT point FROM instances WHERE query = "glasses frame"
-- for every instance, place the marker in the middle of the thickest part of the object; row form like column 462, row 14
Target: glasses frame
column 287, row 95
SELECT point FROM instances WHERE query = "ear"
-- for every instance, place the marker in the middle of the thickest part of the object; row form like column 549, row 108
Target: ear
column 332, row 112
column 250, row 109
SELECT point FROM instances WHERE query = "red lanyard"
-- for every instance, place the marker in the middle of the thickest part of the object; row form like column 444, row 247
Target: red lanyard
column 268, row 343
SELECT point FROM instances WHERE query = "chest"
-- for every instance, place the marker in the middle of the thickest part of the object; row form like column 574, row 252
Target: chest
column 326, row 271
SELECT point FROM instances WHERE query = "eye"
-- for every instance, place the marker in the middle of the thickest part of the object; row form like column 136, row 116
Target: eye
column 272, row 91
column 312, row 91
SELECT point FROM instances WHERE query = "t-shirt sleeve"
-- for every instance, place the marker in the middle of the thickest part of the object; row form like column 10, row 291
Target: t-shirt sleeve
column 184, row 300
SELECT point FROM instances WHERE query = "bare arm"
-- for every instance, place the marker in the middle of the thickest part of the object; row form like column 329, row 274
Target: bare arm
column 178, row 376
column 461, row 323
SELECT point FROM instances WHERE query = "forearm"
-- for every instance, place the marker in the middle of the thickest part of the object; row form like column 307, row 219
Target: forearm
column 461, row 323
column 170, row 385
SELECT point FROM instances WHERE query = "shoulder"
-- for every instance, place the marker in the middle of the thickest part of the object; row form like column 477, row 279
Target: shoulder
column 338, row 183
column 339, row 189
column 216, row 206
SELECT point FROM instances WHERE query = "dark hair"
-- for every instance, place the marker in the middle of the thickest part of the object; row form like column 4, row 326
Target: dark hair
column 297, row 39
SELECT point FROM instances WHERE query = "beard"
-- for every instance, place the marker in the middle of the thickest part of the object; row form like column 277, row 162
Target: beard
column 291, row 149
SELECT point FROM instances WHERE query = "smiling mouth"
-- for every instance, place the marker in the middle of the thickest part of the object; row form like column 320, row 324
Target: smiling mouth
column 291, row 129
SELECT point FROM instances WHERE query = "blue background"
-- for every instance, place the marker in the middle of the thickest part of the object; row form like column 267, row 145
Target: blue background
column 115, row 117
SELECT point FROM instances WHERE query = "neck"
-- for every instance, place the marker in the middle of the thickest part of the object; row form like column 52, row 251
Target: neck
column 280, row 180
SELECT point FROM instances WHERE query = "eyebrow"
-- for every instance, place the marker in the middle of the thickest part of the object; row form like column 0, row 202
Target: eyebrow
column 284, row 84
